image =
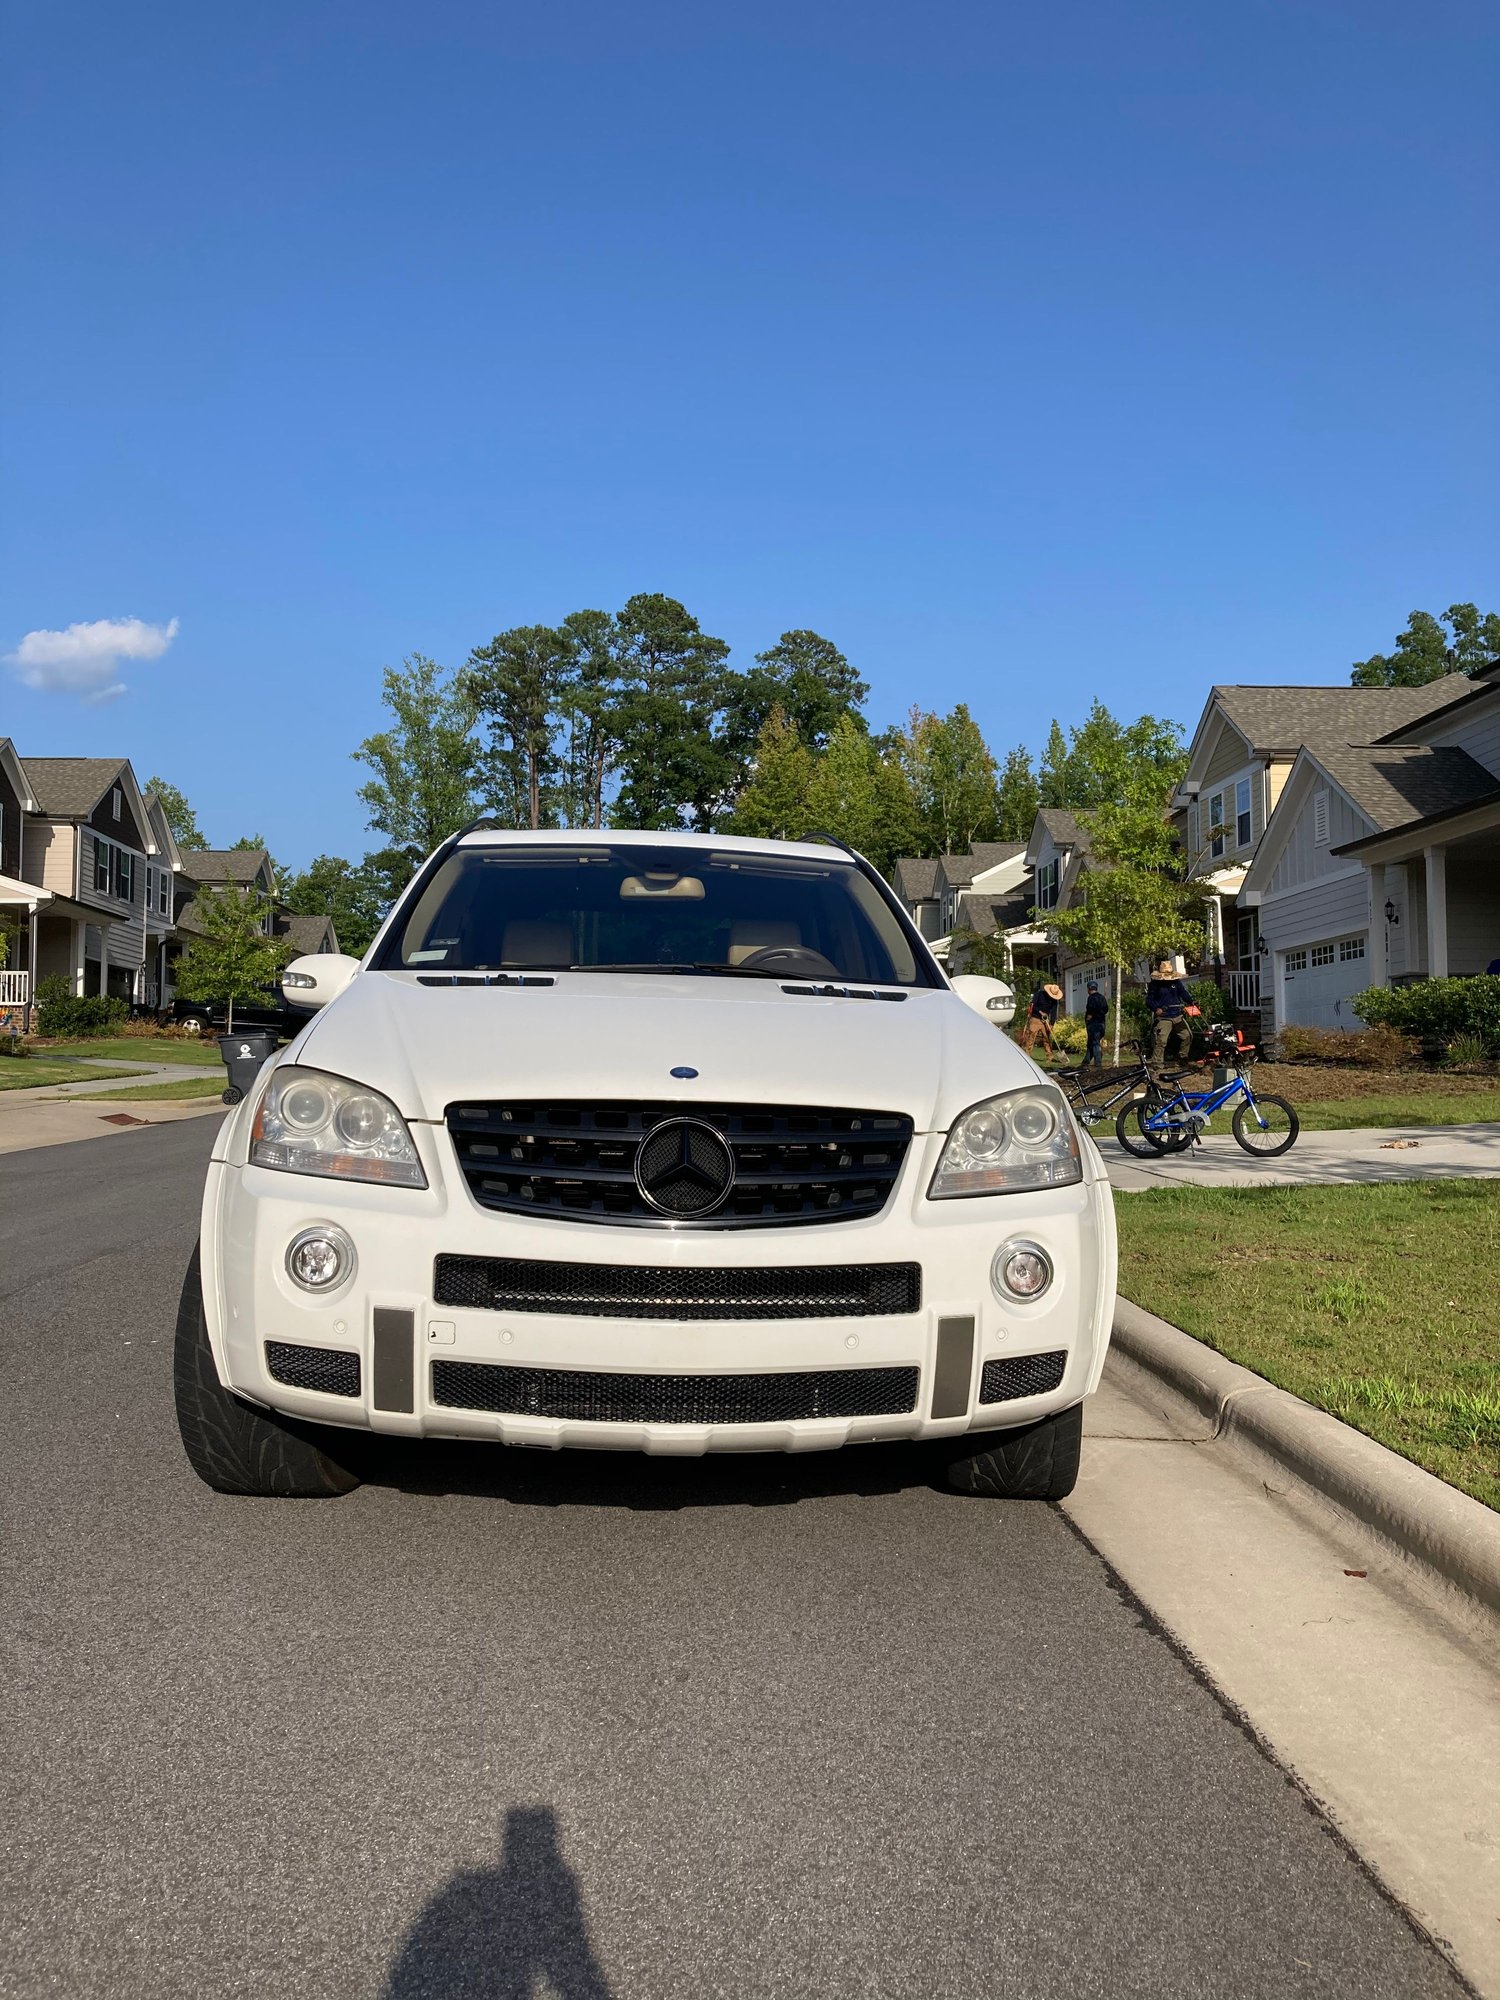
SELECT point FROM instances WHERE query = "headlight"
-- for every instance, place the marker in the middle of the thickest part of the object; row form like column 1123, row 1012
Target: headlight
column 1024, row 1139
column 309, row 1123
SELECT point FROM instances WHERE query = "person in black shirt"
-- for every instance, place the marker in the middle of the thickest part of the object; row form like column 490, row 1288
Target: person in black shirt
column 1167, row 1002
column 1095, row 1013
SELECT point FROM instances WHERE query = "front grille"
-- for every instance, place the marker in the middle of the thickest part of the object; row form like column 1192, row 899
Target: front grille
column 625, row 1291
column 576, row 1160
column 673, row 1399
column 1021, row 1375
column 329, row 1370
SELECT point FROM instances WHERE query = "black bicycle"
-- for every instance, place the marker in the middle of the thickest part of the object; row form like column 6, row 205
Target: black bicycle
column 1095, row 1094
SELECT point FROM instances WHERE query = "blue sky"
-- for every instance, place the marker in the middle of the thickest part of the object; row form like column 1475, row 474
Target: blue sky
column 1029, row 353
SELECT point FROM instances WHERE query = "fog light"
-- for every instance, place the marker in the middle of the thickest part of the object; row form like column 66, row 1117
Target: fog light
column 320, row 1258
column 1021, row 1271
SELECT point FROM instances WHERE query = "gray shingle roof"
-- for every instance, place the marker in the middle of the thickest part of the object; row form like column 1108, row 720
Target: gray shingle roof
column 986, row 914
column 70, row 787
column 1282, row 719
column 959, row 870
column 1397, row 784
column 914, row 878
column 306, row 934
column 223, row 864
column 1066, row 829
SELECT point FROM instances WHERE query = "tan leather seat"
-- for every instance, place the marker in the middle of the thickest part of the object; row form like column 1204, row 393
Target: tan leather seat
column 530, row 943
column 750, row 936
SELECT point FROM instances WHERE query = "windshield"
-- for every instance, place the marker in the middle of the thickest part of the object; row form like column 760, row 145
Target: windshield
column 652, row 909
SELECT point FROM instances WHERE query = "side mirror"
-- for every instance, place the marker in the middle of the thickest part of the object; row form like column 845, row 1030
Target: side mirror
column 991, row 998
column 316, row 979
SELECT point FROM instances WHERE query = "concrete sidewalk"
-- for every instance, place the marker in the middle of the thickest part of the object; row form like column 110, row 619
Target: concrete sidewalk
column 1319, row 1159
column 30, row 1118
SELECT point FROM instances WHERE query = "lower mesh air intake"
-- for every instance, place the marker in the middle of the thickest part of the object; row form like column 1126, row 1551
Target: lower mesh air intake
column 329, row 1370
column 580, row 1396
column 1021, row 1375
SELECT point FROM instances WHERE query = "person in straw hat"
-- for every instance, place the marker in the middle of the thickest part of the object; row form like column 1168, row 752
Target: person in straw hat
column 1041, row 1017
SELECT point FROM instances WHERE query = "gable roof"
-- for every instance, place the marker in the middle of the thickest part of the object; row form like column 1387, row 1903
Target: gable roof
column 17, row 770
column 1478, row 686
column 308, row 934
column 1394, row 785
column 1065, row 828
column 959, row 870
column 1279, row 720
column 225, row 864
column 70, row 787
column 914, row 878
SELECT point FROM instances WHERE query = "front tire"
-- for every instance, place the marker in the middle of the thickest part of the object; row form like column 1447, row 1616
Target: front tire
column 1269, row 1140
column 232, row 1447
column 1034, row 1462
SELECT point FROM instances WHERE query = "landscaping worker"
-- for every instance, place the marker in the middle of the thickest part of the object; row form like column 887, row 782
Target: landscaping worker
column 1095, row 1014
column 1041, row 1016
column 1168, row 1002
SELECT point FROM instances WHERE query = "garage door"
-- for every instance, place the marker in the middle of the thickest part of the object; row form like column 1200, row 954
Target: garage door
column 1318, row 981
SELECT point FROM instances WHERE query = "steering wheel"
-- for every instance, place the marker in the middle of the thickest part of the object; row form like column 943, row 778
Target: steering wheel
column 796, row 959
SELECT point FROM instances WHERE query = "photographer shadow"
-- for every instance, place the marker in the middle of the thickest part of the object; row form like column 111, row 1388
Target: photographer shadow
column 514, row 1932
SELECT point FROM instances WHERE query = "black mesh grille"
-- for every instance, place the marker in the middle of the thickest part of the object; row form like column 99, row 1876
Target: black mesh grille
column 327, row 1369
column 1021, row 1375
column 673, row 1399
column 626, row 1291
column 576, row 1160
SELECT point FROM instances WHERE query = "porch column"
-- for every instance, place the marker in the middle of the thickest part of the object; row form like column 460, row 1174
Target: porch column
column 1380, row 938
column 1436, row 859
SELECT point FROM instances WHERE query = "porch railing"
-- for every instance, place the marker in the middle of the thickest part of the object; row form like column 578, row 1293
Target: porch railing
column 1244, row 988
column 15, row 988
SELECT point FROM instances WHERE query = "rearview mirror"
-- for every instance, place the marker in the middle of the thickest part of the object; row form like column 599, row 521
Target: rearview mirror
column 316, row 979
column 990, row 997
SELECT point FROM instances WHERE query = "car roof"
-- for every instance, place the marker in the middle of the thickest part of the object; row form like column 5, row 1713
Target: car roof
column 708, row 843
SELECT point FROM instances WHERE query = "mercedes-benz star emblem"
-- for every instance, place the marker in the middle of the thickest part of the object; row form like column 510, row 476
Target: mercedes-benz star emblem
column 684, row 1168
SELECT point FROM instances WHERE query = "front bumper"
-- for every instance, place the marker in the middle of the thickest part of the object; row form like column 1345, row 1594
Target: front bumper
column 386, row 1313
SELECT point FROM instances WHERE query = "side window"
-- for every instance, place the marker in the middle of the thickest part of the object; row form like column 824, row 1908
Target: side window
column 101, row 866
column 1242, row 813
column 1216, row 825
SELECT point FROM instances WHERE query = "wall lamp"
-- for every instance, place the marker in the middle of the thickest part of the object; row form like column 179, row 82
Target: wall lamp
column 1392, row 914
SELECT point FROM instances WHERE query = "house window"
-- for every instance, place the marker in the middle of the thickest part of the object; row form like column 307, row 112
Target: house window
column 1322, row 954
column 1242, row 813
column 1046, row 885
column 1320, row 818
column 164, row 893
column 1351, row 948
column 1295, row 961
column 1216, row 825
column 101, row 866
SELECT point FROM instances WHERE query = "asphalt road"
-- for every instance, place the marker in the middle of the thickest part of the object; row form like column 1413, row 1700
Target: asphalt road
column 500, row 1724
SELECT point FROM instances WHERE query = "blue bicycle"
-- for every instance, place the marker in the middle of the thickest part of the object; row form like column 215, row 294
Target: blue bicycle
column 1170, row 1119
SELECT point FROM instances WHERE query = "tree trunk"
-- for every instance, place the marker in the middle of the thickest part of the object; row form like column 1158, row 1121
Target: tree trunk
column 1119, row 996
column 229, row 1023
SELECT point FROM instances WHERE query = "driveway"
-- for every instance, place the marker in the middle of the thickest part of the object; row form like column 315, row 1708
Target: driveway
column 1417, row 1152
column 645, row 1727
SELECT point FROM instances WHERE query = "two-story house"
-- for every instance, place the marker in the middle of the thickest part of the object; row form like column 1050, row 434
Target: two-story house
column 1240, row 759
column 205, row 870
column 1382, row 857
column 19, row 899
column 974, row 892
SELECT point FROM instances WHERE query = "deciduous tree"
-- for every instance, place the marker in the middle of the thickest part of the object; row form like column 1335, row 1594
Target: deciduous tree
column 178, row 813
column 774, row 803
column 425, row 764
column 1425, row 652
column 231, row 957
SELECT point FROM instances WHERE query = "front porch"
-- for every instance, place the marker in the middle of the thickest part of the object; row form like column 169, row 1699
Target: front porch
column 20, row 903
column 1434, row 903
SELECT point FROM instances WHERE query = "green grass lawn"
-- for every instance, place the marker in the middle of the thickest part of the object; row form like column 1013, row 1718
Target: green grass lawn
column 1376, row 1303
column 177, row 1086
column 32, row 1073
column 138, row 1048
column 1407, row 1107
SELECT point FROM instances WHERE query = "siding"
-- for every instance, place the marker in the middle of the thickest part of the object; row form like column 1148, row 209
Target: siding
column 10, row 828
column 1478, row 733
column 49, row 856
column 1328, row 908
column 1473, row 914
column 1302, row 859
column 1231, row 753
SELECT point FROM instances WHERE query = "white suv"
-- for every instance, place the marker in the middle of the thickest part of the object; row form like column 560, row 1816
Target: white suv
column 655, row 1142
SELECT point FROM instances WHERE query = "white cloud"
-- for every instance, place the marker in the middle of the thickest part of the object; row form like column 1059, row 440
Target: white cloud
column 83, row 660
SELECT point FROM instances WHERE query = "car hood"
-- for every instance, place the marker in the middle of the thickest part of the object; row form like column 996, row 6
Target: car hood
column 621, row 1035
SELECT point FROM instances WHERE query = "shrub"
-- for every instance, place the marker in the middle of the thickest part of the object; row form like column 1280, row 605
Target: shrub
column 60, row 1011
column 1069, row 1035
column 1375, row 1048
column 1136, row 1020
column 12, row 1045
column 1211, row 1000
column 1437, row 1009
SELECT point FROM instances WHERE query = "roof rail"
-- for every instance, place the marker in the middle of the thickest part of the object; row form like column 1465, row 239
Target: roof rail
column 830, row 840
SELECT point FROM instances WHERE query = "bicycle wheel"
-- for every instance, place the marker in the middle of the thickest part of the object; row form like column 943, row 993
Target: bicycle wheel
column 1266, row 1127
column 1149, row 1142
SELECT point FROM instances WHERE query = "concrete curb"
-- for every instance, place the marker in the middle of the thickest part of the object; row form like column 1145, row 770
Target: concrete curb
column 1429, row 1522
